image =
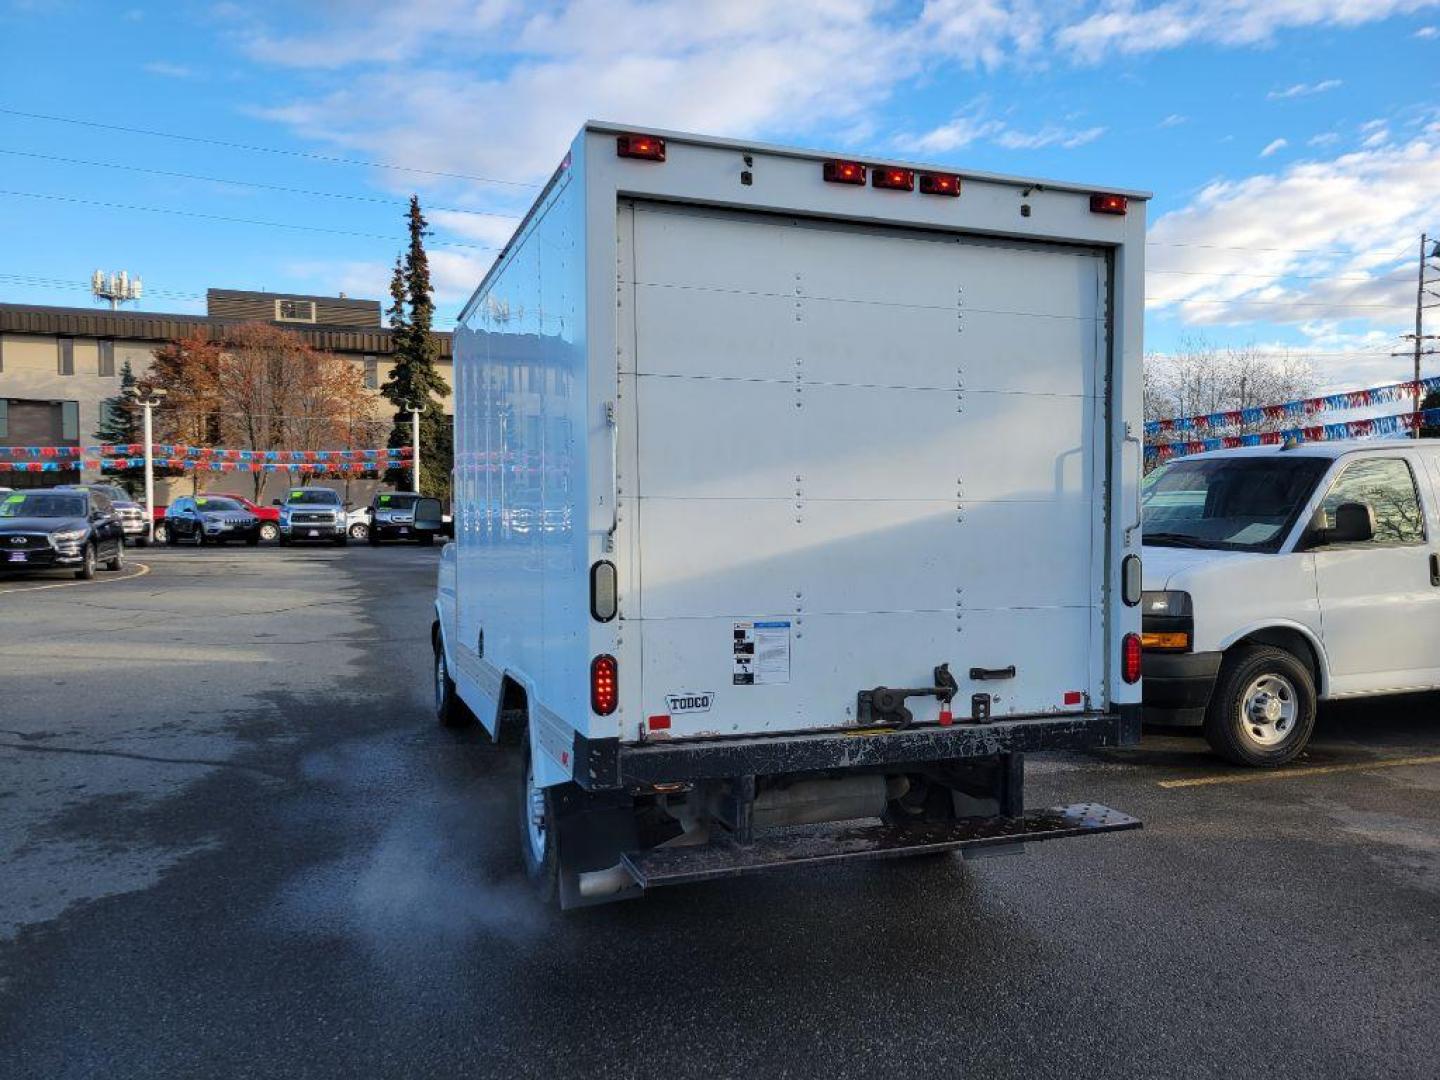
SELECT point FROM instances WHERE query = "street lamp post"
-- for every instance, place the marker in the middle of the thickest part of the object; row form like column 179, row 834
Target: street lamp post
column 415, row 446
column 147, row 397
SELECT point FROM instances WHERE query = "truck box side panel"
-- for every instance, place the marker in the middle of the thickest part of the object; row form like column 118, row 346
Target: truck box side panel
column 883, row 442
column 522, row 428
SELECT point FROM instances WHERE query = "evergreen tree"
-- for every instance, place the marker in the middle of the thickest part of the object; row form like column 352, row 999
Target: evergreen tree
column 415, row 378
column 120, row 422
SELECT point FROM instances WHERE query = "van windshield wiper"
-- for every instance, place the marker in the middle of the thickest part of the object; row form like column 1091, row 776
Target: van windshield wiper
column 1173, row 539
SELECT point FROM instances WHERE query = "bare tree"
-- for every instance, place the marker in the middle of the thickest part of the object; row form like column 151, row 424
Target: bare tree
column 1200, row 378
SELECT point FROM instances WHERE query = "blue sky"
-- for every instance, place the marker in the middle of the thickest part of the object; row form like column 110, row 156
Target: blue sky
column 1293, row 145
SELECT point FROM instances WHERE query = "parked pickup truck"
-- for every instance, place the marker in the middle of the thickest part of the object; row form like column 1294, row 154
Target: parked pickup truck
column 793, row 491
column 1279, row 577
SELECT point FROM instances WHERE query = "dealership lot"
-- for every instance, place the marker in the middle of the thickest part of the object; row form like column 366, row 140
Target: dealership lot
column 233, row 841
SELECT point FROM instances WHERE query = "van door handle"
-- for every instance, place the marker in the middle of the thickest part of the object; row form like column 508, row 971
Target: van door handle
column 1434, row 569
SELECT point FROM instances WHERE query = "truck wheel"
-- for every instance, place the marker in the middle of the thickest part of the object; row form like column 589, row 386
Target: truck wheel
column 269, row 532
column 449, row 709
column 359, row 531
column 1263, row 708
column 537, row 838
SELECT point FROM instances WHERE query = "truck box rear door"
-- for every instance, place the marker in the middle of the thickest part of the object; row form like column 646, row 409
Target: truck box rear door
column 858, row 452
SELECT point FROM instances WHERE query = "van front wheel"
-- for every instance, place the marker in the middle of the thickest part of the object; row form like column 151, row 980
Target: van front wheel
column 1263, row 710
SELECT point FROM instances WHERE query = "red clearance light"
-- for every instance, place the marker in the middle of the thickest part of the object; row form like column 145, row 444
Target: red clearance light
column 640, row 146
column 894, row 179
column 604, row 684
column 844, row 172
column 1130, row 658
column 1109, row 204
column 939, row 183
column 660, row 722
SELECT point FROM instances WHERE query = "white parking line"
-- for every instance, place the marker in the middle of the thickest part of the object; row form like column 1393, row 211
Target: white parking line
column 1294, row 774
column 131, row 572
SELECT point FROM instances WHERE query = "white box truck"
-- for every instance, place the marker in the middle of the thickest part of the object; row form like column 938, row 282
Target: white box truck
column 796, row 500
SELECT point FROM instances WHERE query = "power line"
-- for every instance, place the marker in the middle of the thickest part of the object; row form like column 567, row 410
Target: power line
column 327, row 158
column 1281, row 277
column 64, row 283
column 252, row 184
column 233, row 220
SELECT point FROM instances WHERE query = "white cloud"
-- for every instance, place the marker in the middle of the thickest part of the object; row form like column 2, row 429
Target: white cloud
column 1427, row 32
column 1306, row 89
column 169, row 71
column 1048, row 136
column 1325, row 138
column 1173, row 120
column 1123, row 26
column 975, row 125
column 1324, row 246
column 1274, row 146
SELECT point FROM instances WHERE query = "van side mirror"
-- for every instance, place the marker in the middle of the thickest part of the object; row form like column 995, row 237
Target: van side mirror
column 275, row 502
column 1354, row 524
column 428, row 515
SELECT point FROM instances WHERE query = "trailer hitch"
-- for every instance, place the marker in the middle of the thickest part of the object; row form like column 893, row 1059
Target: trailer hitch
column 886, row 705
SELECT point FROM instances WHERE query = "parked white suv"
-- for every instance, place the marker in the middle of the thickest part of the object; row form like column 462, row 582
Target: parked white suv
column 1276, row 577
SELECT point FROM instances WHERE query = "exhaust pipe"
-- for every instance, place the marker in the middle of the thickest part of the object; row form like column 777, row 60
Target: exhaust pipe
column 608, row 882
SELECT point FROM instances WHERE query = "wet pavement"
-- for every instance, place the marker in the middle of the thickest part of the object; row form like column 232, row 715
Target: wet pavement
column 234, row 843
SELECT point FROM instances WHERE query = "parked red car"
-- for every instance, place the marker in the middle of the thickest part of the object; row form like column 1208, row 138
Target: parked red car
column 269, row 516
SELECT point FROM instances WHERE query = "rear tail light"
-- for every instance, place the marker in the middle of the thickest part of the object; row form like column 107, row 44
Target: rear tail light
column 939, row 183
column 894, row 179
column 844, row 172
column 1109, row 204
column 1130, row 658
column 640, row 146
column 604, row 684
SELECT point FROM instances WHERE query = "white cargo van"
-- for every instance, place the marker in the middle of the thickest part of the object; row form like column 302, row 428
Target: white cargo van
column 1276, row 577
column 790, row 490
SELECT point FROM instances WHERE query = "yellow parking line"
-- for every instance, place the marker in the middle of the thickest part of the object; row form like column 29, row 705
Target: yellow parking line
column 102, row 578
column 1287, row 774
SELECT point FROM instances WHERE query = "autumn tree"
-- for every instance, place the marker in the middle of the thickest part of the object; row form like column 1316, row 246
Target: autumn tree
column 415, row 377
column 188, row 369
column 262, row 387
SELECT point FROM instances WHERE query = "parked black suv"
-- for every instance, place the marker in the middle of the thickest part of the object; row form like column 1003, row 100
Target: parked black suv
column 392, row 516
column 47, row 528
column 130, row 512
column 210, row 519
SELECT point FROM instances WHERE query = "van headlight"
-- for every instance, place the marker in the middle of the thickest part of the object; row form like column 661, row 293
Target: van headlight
column 1165, row 602
column 69, row 536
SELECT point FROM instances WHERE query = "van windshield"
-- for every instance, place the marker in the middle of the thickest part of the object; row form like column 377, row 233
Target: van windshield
column 1228, row 503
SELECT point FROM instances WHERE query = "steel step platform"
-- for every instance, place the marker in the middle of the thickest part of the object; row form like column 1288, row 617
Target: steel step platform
column 817, row 845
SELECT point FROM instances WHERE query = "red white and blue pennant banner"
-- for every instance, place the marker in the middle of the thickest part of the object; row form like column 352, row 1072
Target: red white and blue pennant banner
column 1394, row 424
column 1295, row 410
column 119, row 456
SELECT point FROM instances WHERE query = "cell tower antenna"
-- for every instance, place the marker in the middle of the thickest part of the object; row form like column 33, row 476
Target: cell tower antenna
column 119, row 288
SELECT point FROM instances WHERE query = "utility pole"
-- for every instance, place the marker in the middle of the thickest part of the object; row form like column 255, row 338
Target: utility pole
column 1426, row 276
column 415, row 445
column 147, row 397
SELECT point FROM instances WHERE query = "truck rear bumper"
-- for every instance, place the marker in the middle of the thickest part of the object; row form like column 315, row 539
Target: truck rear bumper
column 607, row 764
column 815, row 846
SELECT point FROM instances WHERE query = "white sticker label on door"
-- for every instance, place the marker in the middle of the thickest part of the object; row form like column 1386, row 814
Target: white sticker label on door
column 689, row 702
column 762, row 653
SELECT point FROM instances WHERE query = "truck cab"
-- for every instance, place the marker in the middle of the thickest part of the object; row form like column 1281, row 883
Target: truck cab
column 314, row 514
column 1279, row 577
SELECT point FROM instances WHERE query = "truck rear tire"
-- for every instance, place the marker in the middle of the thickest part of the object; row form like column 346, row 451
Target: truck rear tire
column 1263, row 710
column 537, row 839
column 449, row 709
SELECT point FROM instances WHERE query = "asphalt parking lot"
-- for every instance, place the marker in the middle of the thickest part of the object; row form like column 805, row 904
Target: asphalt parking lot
column 234, row 843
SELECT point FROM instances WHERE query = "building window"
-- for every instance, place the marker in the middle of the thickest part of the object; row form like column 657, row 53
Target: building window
column 70, row 421
column 295, row 311
column 65, row 349
column 107, row 358
column 372, row 373
column 2, row 352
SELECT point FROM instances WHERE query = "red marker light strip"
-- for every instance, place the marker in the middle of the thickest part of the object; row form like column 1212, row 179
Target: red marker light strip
column 646, row 147
column 894, row 179
column 1109, row 204
column 844, row 172
column 939, row 184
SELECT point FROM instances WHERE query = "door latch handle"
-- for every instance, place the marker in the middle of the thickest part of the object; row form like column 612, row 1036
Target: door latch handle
column 1434, row 569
